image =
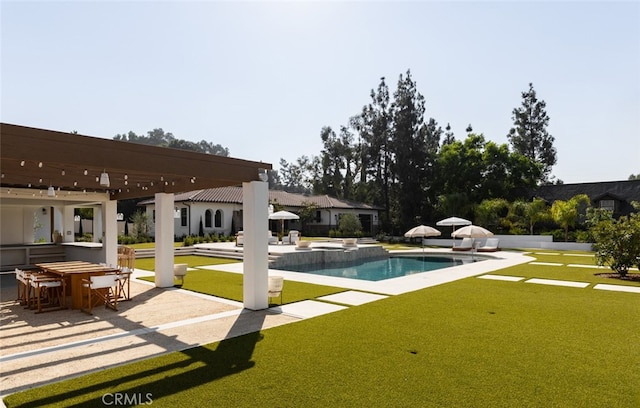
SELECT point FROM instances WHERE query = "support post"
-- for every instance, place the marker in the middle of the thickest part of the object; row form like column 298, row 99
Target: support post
column 110, row 232
column 164, row 240
column 255, row 203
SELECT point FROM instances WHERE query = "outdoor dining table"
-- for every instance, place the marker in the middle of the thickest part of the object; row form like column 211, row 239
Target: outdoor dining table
column 74, row 272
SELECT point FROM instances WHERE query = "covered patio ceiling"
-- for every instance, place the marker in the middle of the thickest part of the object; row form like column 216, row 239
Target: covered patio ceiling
column 38, row 158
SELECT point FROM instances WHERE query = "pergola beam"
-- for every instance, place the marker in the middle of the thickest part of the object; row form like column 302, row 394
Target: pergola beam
column 38, row 158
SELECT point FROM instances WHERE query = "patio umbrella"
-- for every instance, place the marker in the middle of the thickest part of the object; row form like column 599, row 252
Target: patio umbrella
column 453, row 221
column 283, row 215
column 422, row 231
column 472, row 231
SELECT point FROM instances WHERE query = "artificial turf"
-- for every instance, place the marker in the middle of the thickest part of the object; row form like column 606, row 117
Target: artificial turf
column 229, row 285
column 469, row 343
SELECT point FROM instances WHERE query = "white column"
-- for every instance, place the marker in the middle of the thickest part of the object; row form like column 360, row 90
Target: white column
column 255, row 201
column 164, row 240
column 98, row 222
column 110, row 232
column 68, row 229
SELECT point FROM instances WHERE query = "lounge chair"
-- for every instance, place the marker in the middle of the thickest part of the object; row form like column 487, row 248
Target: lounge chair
column 292, row 238
column 240, row 238
column 491, row 245
column 465, row 245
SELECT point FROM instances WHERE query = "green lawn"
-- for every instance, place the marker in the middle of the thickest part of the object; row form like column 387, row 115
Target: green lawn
column 470, row 343
column 229, row 285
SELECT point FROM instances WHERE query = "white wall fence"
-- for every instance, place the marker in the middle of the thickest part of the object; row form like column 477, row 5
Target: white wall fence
column 521, row 241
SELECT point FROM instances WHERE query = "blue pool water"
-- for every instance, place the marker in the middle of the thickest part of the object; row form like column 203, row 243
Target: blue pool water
column 378, row 270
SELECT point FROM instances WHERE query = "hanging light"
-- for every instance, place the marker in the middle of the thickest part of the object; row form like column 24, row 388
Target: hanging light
column 104, row 179
column 51, row 192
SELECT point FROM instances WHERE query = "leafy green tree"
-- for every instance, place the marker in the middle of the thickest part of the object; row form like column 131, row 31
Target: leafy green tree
column 454, row 204
column 349, row 225
column 634, row 176
column 158, row 137
column 529, row 135
column 565, row 213
column 295, row 177
column 307, row 213
column 617, row 242
column 536, row 211
column 461, row 168
column 141, row 225
column 490, row 212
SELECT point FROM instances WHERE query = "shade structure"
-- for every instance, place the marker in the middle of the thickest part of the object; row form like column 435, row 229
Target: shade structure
column 422, row 231
column 283, row 215
column 453, row 221
column 472, row 231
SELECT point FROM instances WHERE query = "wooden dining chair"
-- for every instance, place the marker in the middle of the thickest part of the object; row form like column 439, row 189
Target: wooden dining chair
column 124, row 283
column 49, row 292
column 100, row 289
column 23, row 284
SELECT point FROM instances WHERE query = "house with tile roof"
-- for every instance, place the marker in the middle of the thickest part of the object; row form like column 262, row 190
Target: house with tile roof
column 219, row 210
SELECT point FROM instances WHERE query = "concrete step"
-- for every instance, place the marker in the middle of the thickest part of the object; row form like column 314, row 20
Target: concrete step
column 212, row 252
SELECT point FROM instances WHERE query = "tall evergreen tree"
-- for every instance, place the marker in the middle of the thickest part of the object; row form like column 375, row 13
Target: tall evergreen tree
column 374, row 130
column 448, row 135
column 414, row 145
column 529, row 136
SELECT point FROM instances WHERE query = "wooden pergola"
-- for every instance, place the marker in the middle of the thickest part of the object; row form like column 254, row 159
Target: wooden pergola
column 37, row 159
column 63, row 170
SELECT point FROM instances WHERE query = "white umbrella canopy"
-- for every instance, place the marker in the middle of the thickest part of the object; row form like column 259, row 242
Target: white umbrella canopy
column 283, row 215
column 422, row 231
column 472, row 231
column 453, row 221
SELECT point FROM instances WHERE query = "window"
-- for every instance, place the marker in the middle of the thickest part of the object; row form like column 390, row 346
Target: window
column 609, row 205
column 183, row 217
column 218, row 219
column 207, row 219
column 318, row 216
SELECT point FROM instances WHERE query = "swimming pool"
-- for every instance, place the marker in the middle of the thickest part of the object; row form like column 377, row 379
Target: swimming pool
column 377, row 270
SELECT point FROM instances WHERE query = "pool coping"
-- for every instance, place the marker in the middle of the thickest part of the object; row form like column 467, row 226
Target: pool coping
column 395, row 286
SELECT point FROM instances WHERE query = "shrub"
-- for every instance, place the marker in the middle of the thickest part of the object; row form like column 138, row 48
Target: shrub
column 617, row 242
column 349, row 225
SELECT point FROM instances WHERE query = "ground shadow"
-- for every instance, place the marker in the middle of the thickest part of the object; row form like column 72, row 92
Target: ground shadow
column 232, row 355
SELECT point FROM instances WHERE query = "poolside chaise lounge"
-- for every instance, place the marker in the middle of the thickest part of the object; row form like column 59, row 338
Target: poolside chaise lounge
column 491, row 245
column 240, row 238
column 292, row 238
column 465, row 245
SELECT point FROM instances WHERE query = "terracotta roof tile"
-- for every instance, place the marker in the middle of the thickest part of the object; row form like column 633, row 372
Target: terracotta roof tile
column 283, row 198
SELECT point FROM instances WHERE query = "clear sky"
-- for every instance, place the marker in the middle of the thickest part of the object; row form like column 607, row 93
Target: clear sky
column 263, row 78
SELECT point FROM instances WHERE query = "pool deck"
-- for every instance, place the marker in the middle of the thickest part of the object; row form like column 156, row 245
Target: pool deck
column 39, row 349
column 395, row 286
